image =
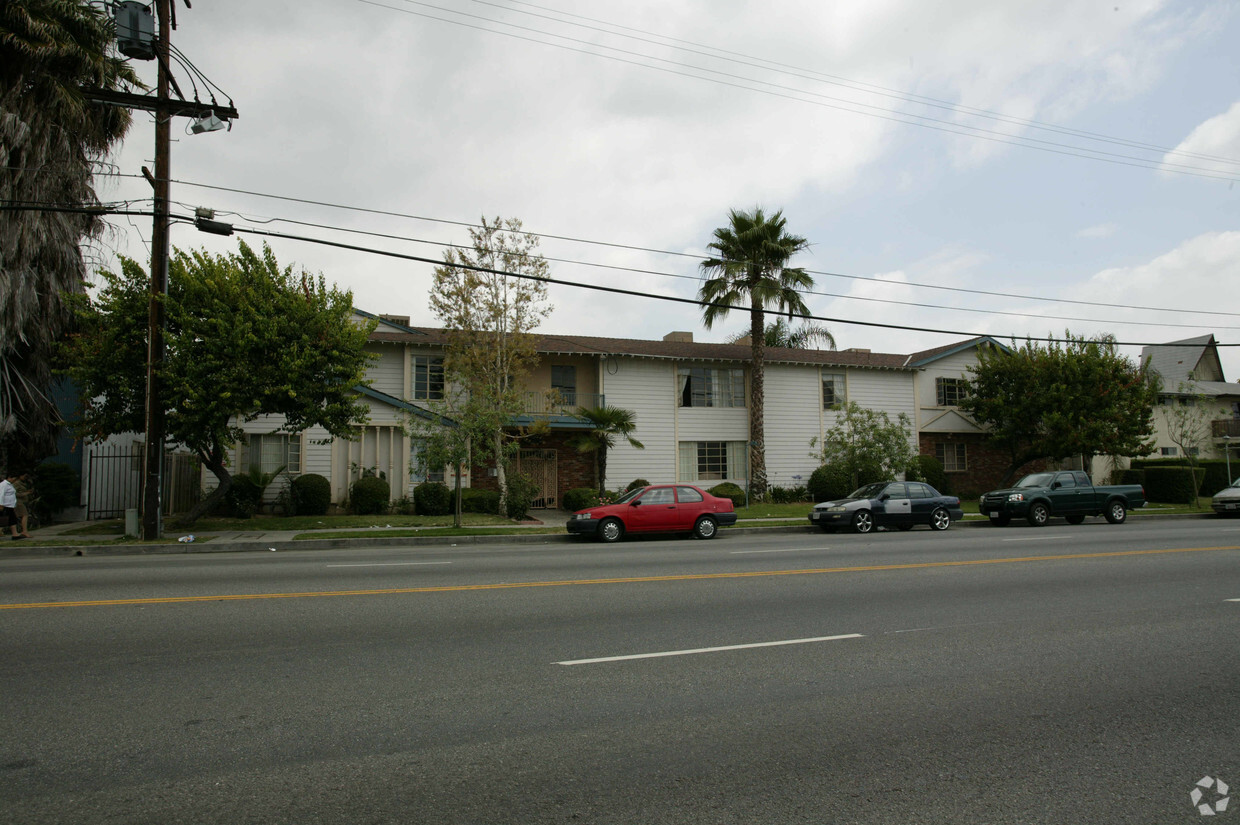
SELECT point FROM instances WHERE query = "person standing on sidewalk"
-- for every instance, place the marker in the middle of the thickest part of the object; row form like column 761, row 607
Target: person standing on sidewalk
column 24, row 489
column 8, row 503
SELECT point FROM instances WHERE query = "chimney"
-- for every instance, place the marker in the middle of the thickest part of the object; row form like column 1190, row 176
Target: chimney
column 864, row 350
column 679, row 337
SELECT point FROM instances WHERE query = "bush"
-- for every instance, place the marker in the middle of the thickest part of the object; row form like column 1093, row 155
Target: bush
column 311, row 495
column 433, row 499
column 56, row 486
column 787, row 495
column 369, row 495
column 244, row 497
column 1170, row 484
column 403, row 506
column 829, row 482
column 1129, row 476
column 929, row 469
column 579, row 498
column 729, row 490
column 519, row 495
column 479, row 501
column 635, row 483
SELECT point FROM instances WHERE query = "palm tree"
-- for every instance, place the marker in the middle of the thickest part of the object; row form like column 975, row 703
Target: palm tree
column 607, row 424
column 780, row 333
column 750, row 268
column 50, row 138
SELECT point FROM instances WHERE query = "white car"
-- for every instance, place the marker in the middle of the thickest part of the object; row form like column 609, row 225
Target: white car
column 1226, row 502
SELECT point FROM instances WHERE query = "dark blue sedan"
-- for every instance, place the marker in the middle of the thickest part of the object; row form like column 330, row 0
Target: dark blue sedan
column 899, row 504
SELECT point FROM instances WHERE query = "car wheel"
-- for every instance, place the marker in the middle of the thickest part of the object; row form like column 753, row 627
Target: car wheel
column 1116, row 512
column 705, row 528
column 1039, row 514
column 1074, row 519
column 1001, row 520
column 940, row 519
column 862, row 521
column 610, row 530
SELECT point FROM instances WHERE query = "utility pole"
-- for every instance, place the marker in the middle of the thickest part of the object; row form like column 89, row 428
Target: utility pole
column 152, row 490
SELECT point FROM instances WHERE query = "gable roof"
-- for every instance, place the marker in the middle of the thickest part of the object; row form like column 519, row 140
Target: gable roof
column 921, row 359
column 1178, row 362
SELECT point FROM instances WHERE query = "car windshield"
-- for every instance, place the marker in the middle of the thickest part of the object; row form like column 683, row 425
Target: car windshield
column 868, row 491
column 631, row 494
column 1036, row 480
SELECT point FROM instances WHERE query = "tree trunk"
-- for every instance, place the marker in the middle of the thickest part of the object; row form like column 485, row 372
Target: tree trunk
column 501, row 478
column 757, row 436
column 217, row 467
column 456, row 510
column 600, row 467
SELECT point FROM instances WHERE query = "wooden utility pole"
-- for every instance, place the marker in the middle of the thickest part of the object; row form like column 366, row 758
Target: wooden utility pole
column 152, row 490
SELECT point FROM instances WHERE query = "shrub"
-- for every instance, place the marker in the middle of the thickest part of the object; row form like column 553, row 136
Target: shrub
column 311, row 495
column 1170, row 484
column 403, row 506
column 579, row 498
column 729, row 490
column 56, row 486
column 369, row 495
column 244, row 497
column 635, row 483
column 474, row 500
column 828, row 482
column 787, row 495
column 433, row 499
column 929, row 469
column 1129, row 476
column 519, row 495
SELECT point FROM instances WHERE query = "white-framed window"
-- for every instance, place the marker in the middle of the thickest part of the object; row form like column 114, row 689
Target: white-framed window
column 419, row 473
column 564, row 382
column 272, row 451
column 712, row 460
column 948, row 392
column 708, row 387
column 1169, row 451
column 833, row 393
column 427, row 378
column 954, row 456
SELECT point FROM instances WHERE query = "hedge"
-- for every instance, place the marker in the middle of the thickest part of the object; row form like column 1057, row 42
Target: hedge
column 827, row 483
column 729, row 490
column 1170, row 484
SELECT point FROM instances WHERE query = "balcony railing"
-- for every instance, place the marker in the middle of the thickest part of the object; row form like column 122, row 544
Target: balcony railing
column 559, row 402
column 1225, row 427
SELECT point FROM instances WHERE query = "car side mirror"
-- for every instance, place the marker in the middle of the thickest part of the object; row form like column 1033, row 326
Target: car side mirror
column 635, row 502
column 1055, row 485
column 884, row 497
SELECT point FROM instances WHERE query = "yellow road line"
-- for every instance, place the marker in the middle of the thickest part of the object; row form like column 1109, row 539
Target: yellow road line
column 627, row 580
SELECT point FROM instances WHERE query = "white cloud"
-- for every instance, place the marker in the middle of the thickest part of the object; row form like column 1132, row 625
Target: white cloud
column 1218, row 137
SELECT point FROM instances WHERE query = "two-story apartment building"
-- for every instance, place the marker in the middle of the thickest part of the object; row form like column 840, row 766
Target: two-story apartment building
column 1192, row 375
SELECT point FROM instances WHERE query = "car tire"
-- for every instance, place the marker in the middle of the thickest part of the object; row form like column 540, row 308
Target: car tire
column 863, row 521
column 1116, row 512
column 610, row 530
column 705, row 528
column 1039, row 514
column 940, row 519
column 1001, row 519
column 1074, row 519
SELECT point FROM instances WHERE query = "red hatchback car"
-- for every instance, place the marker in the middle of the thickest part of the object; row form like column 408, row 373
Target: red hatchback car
column 664, row 508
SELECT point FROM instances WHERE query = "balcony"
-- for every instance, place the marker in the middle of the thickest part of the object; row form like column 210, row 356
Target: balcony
column 558, row 404
column 1225, row 427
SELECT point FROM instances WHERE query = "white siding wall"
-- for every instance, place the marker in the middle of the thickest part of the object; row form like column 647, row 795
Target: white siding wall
column 648, row 388
column 887, row 391
column 794, row 415
column 930, row 413
column 387, row 375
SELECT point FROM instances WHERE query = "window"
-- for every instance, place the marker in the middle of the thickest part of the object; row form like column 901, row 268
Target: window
column 658, row 495
column 705, row 387
column 418, row 472
column 427, row 378
column 1065, row 480
column 832, row 390
column 687, row 495
column 712, row 460
column 1169, row 451
column 270, row 452
column 949, row 391
column 918, row 490
column 564, row 382
column 953, row 457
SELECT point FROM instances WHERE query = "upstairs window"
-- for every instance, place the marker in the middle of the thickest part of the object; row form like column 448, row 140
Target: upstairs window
column 948, row 392
column 706, row 387
column 427, row 378
column 833, row 390
column 564, row 382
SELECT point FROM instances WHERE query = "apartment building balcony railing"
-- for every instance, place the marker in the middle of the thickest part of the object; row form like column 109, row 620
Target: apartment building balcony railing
column 560, row 403
column 1225, row 427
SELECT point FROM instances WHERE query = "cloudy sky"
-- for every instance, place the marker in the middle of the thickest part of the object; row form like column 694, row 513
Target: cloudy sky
column 1014, row 168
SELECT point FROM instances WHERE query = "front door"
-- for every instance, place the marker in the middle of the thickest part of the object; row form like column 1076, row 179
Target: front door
column 539, row 465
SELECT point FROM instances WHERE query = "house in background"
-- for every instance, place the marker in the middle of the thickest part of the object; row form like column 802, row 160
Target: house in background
column 1192, row 373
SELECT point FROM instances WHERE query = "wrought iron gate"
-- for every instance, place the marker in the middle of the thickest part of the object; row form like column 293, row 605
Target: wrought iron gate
column 539, row 465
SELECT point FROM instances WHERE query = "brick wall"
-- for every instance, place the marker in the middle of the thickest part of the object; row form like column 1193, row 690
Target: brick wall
column 986, row 465
column 573, row 468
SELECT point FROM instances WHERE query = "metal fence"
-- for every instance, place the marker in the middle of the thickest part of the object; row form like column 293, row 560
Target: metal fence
column 113, row 481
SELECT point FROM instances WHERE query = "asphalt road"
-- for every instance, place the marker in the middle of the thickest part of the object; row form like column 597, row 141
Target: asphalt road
column 1058, row 675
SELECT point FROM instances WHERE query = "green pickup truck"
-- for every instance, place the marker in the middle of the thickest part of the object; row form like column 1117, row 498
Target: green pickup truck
column 1068, row 493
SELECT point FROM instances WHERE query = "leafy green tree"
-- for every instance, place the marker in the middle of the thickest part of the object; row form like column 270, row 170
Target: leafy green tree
column 1079, row 397
column 607, row 426
column 780, row 333
column 489, row 317
column 50, row 139
column 866, row 444
column 245, row 338
column 1188, row 426
column 750, row 267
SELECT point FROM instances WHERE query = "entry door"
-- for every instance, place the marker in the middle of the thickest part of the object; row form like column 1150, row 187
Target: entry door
column 539, row 465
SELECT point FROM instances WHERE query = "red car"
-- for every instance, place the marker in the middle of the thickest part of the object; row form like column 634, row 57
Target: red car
column 663, row 508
